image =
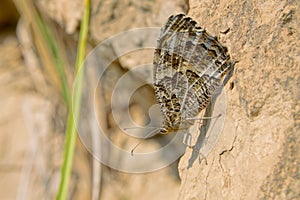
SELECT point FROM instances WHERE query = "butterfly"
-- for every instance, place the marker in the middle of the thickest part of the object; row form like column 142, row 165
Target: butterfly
column 189, row 66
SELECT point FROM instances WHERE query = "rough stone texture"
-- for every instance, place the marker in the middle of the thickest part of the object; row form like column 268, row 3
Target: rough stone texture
column 257, row 153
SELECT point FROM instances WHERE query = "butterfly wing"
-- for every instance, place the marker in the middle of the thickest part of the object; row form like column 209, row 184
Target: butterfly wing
column 188, row 67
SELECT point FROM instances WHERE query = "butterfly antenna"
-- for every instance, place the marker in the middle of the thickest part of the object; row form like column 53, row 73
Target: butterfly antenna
column 136, row 127
column 132, row 150
column 145, row 138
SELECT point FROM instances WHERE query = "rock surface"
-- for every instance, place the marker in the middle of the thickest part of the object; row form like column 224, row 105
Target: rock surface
column 255, row 157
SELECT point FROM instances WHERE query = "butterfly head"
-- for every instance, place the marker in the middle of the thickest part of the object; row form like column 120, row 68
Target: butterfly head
column 171, row 123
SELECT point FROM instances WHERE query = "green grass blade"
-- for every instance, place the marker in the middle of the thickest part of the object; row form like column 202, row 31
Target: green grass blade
column 46, row 46
column 74, row 107
column 58, row 62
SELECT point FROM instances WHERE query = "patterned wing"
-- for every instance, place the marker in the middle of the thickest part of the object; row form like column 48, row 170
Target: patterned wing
column 188, row 68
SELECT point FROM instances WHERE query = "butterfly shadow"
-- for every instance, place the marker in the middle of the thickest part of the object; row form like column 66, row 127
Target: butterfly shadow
column 206, row 123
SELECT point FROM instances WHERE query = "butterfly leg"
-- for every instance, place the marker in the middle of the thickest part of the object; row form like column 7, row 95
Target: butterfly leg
column 203, row 119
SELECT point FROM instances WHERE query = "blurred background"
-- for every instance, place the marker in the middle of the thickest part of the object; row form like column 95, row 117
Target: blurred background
column 38, row 44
